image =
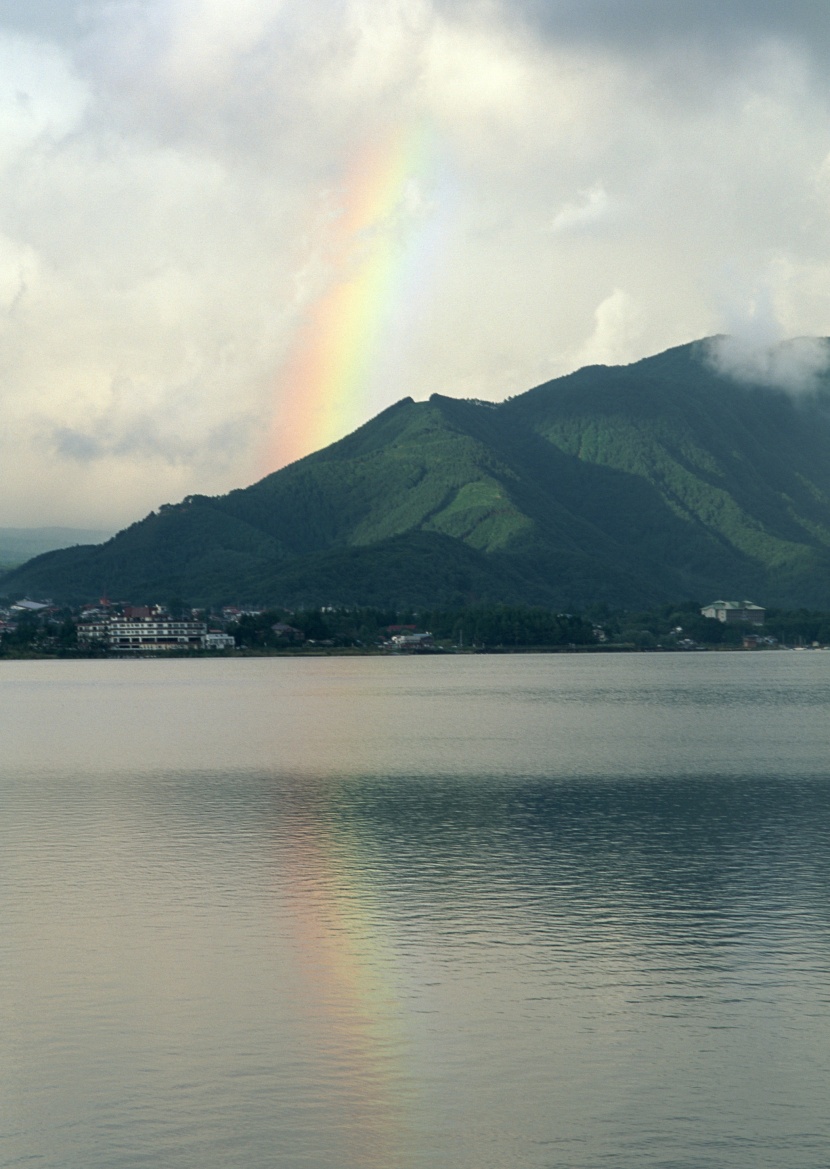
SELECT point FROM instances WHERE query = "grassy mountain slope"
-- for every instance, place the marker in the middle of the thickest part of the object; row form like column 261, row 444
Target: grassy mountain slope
column 747, row 466
column 627, row 485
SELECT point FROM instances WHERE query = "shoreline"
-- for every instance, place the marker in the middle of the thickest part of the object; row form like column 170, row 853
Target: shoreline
column 358, row 652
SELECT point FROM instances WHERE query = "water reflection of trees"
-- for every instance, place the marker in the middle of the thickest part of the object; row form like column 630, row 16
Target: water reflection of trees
column 665, row 855
column 670, row 856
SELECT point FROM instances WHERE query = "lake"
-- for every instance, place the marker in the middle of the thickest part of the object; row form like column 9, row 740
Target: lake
column 491, row 912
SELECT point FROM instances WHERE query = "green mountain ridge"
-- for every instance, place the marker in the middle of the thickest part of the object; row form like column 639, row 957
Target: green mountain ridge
column 626, row 485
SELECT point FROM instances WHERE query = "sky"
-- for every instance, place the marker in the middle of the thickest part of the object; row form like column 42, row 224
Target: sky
column 233, row 230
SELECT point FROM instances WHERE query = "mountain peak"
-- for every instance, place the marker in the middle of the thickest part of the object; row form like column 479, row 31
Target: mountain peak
column 623, row 484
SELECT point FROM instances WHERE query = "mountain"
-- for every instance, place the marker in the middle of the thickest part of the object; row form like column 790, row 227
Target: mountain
column 626, row 485
column 17, row 545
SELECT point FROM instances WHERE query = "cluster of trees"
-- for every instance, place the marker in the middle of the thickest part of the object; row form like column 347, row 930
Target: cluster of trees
column 665, row 625
column 340, row 628
column 32, row 634
column 668, row 625
column 479, row 625
column 509, row 625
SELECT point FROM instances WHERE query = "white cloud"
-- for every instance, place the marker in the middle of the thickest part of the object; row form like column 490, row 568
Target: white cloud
column 796, row 365
column 593, row 206
column 206, row 39
column 756, row 348
column 42, row 100
column 616, row 338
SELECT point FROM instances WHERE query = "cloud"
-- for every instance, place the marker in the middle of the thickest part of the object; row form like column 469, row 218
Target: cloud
column 797, row 365
column 638, row 25
column 756, row 349
column 593, row 207
column 126, row 428
column 41, row 97
column 615, row 339
column 43, row 18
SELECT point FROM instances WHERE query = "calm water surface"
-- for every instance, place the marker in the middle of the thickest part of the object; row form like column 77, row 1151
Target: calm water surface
column 476, row 913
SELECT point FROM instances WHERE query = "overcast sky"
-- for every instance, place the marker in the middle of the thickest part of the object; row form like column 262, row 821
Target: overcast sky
column 578, row 181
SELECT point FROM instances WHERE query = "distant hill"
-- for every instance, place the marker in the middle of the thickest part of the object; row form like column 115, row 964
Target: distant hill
column 17, row 545
column 626, row 485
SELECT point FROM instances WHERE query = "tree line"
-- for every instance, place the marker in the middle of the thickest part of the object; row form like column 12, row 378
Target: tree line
column 482, row 626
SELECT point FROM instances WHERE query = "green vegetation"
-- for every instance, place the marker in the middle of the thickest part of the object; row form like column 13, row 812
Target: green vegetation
column 622, row 487
column 669, row 626
column 503, row 626
column 35, row 634
column 467, row 628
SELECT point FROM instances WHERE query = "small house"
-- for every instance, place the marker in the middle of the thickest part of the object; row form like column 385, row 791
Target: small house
column 285, row 632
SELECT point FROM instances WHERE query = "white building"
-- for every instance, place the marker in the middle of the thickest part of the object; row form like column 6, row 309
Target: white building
column 219, row 641
column 412, row 640
column 733, row 612
column 144, row 634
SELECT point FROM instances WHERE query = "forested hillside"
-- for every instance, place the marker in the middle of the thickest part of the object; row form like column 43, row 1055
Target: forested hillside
column 623, row 485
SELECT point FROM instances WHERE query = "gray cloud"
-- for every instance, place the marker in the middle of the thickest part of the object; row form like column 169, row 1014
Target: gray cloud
column 143, row 437
column 72, row 444
column 635, row 22
column 640, row 24
column 50, row 19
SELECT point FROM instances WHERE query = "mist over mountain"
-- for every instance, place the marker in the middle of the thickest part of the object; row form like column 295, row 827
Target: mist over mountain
column 17, row 545
column 628, row 485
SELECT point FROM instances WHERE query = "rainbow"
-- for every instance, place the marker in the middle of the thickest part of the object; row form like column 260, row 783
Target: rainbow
column 351, row 342
column 346, row 991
